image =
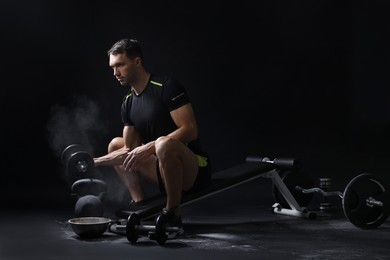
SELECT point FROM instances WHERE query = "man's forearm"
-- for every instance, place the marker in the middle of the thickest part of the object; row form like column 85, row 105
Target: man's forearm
column 150, row 148
column 114, row 158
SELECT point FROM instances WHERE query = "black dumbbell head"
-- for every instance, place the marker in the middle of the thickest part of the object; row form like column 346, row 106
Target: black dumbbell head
column 80, row 165
column 69, row 150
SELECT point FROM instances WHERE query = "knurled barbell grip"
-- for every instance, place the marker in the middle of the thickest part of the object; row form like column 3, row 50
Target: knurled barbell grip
column 324, row 193
column 371, row 202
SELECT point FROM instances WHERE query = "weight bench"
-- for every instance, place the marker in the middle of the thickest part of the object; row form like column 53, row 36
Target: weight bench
column 80, row 175
column 253, row 168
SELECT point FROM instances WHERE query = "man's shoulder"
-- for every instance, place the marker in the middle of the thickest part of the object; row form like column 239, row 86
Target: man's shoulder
column 162, row 80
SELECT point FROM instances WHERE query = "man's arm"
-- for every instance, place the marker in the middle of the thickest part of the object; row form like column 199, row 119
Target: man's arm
column 131, row 139
column 184, row 118
column 187, row 129
column 186, row 132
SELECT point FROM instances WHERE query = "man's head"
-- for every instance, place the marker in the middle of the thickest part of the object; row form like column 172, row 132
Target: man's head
column 125, row 58
column 130, row 47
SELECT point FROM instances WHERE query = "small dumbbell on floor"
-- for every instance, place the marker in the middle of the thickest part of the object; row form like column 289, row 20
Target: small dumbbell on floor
column 365, row 200
column 158, row 231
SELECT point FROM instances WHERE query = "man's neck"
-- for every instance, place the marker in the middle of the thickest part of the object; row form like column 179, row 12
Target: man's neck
column 141, row 83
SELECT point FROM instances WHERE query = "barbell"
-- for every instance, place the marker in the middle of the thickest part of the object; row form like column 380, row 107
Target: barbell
column 365, row 200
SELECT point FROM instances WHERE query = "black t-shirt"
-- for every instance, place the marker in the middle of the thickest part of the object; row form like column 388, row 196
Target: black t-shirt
column 149, row 112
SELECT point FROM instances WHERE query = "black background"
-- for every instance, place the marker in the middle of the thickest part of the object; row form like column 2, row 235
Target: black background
column 306, row 79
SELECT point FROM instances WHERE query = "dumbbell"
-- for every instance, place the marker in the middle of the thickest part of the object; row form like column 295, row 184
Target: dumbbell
column 134, row 229
column 90, row 194
column 365, row 200
column 78, row 163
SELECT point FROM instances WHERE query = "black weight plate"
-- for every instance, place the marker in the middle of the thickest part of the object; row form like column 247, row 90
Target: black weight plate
column 74, row 171
column 161, row 236
column 292, row 179
column 358, row 190
column 68, row 151
column 131, row 230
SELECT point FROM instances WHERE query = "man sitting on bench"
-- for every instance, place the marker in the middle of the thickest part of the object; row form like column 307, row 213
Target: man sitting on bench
column 160, row 137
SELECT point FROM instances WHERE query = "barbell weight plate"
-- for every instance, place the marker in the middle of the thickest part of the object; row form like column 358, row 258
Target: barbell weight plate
column 68, row 151
column 291, row 179
column 355, row 207
column 80, row 165
column 160, row 233
column 131, row 231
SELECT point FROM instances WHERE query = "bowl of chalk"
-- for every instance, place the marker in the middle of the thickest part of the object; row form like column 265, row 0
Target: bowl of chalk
column 89, row 227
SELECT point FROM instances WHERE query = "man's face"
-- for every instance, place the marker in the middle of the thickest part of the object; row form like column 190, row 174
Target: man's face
column 123, row 68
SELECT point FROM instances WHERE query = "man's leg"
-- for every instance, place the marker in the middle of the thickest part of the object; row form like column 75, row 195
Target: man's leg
column 178, row 167
column 132, row 180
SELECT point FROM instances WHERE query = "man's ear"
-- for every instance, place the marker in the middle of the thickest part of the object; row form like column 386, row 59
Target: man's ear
column 138, row 61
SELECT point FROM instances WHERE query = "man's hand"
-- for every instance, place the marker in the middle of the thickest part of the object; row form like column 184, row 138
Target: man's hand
column 136, row 157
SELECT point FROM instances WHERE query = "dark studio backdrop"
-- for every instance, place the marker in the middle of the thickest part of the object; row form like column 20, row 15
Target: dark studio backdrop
column 305, row 79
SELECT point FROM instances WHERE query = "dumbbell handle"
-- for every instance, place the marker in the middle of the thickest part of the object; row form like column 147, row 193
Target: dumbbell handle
column 147, row 228
column 324, row 193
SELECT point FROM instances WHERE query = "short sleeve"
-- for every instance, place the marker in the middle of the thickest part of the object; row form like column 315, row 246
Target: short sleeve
column 174, row 95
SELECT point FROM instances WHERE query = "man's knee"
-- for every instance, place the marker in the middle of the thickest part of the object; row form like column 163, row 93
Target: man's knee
column 115, row 144
column 165, row 145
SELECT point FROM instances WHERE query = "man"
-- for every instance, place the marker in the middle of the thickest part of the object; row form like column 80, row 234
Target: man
column 160, row 135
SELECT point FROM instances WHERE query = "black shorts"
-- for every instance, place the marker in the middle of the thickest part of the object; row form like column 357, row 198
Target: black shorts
column 202, row 180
